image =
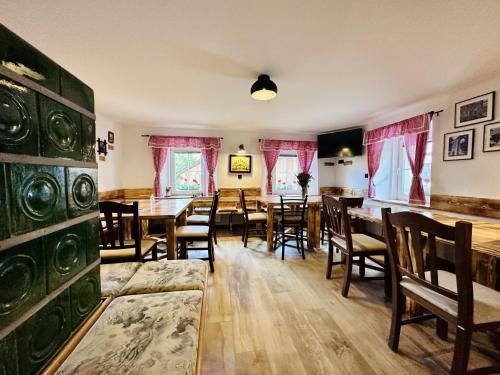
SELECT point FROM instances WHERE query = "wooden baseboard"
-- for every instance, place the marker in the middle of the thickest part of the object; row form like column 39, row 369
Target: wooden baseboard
column 488, row 207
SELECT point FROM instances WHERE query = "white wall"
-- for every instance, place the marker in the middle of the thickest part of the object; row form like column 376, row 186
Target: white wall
column 110, row 170
column 479, row 177
column 137, row 165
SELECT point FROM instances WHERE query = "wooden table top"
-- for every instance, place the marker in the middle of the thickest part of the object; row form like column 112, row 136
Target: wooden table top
column 162, row 208
column 485, row 231
column 275, row 199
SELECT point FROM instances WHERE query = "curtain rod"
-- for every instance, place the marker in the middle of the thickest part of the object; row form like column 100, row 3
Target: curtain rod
column 432, row 113
column 149, row 135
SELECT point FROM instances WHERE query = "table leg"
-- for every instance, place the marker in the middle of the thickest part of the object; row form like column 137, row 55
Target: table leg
column 270, row 227
column 313, row 227
column 171, row 239
column 183, row 218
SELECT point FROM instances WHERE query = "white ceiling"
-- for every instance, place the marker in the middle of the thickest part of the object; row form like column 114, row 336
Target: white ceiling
column 191, row 63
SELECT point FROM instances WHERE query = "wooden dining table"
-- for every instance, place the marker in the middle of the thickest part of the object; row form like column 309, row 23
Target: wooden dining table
column 314, row 203
column 173, row 211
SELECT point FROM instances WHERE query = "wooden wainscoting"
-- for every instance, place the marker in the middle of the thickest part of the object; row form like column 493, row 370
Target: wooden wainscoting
column 488, row 207
column 335, row 190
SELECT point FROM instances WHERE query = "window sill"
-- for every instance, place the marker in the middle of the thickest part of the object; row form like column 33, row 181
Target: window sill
column 400, row 203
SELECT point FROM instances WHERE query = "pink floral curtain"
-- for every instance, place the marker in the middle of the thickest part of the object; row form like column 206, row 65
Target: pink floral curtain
column 209, row 147
column 374, row 151
column 270, row 159
column 210, row 156
column 159, row 158
column 306, row 158
column 415, row 145
column 417, row 124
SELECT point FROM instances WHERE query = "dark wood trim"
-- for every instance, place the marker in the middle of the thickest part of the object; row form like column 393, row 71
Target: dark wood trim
column 488, row 207
column 40, row 160
column 44, row 91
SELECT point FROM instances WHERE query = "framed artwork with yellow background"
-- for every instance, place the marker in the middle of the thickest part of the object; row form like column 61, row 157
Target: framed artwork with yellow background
column 240, row 163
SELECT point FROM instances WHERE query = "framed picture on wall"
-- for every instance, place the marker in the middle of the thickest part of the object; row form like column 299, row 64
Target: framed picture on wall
column 491, row 140
column 458, row 145
column 111, row 137
column 240, row 163
column 475, row 110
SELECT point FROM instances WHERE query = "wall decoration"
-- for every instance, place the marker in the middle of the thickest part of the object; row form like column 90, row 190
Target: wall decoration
column 240, row 164
column 102, row 146
column 475, row 110
column 458, row 145
column 111, row 137
column 491, row 140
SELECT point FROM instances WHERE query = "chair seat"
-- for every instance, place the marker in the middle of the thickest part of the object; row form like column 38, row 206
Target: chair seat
column 257, row 216
column 486, row 300
column 123, row 254
column 227, row 210
column 291, row 219
column 192, row 231
column 198, row 219
column 362, row 243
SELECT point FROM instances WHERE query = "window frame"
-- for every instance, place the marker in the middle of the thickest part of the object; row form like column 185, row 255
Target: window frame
column 285, row 192
column 171, row 174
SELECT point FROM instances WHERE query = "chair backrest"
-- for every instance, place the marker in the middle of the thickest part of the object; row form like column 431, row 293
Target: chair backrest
column 113, row 228
column 338, row 221
column 291, row 208
column 353, row 201
column 243, row 204
column 411, row 241
column 213, row 213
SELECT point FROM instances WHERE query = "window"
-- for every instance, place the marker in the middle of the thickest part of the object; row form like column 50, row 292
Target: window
column 285, row 172
column 187, row 172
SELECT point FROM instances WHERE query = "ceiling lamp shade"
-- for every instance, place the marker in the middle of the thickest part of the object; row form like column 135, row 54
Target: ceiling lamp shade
column 264, row 88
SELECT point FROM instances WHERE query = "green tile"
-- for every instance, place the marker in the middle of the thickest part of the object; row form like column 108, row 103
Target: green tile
column 37, row 196
column 60, row 130
column 40, row 337
column 22, row 58
column 22, row 280
column 18, row 119
column 88, row 139
column 93, row 240
column 4, row 220
column 85, row 296
column 8, row 356
column 76, row 91
column 81, row 185
column 65, row 253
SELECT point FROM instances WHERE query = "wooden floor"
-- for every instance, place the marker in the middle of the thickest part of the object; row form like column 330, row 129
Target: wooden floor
column 267, row 316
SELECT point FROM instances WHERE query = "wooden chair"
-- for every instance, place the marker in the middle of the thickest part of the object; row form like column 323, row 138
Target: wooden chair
column 193, row 233
column 251, row 218
column 351, row 202
column 197, row 219
column 114, row 246
column 291, row 224
column 352, row 245
column 451, row 298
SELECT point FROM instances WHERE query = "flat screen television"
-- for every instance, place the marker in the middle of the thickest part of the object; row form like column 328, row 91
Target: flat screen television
column 342, row 143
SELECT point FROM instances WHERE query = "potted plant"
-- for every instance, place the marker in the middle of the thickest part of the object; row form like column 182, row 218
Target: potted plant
column 303, row 179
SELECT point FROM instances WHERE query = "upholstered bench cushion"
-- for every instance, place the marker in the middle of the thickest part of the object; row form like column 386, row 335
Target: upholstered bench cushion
column 166, row 276
column 114, row 276
column 142, row 334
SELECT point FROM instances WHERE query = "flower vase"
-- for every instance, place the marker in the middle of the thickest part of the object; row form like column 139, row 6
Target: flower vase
column 304, row 191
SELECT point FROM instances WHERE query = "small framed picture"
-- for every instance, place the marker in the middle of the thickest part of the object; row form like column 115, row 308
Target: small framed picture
column 111, row 138
column 458, row 145
column 102, row 146
column 491, row 140
column 240, row 163
column 475, row 110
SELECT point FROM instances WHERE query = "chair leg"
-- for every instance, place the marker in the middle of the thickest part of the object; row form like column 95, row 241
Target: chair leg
column 243, row 234
column 246, row 235
column 398, row 306
column 302, row 243
column 329, row 266
column 215, row 235
column 154, row 253
column 461, row 352
column 276, row 238
column 297, row 242
column 387, row 277
column 282, row 242
column 211, row 255
column 361, row 265
column 347, row 275
column 442, row 329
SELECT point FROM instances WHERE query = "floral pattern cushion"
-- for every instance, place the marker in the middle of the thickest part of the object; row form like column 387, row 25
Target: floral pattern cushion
column 142, row 334
column 166, row 276
column 115, row 275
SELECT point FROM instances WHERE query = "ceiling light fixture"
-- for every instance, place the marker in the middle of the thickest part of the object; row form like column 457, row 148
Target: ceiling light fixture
column 264, row 88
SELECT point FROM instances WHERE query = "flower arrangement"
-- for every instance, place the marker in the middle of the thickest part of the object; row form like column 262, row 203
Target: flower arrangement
column 303, row 179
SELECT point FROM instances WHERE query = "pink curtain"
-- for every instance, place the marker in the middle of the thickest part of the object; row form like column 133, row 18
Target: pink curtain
column 159, row 158
column 415, row 145
column 210, row 156
column 417, row 124
column 374, row 152
column 270, row 158
column 306, row 158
